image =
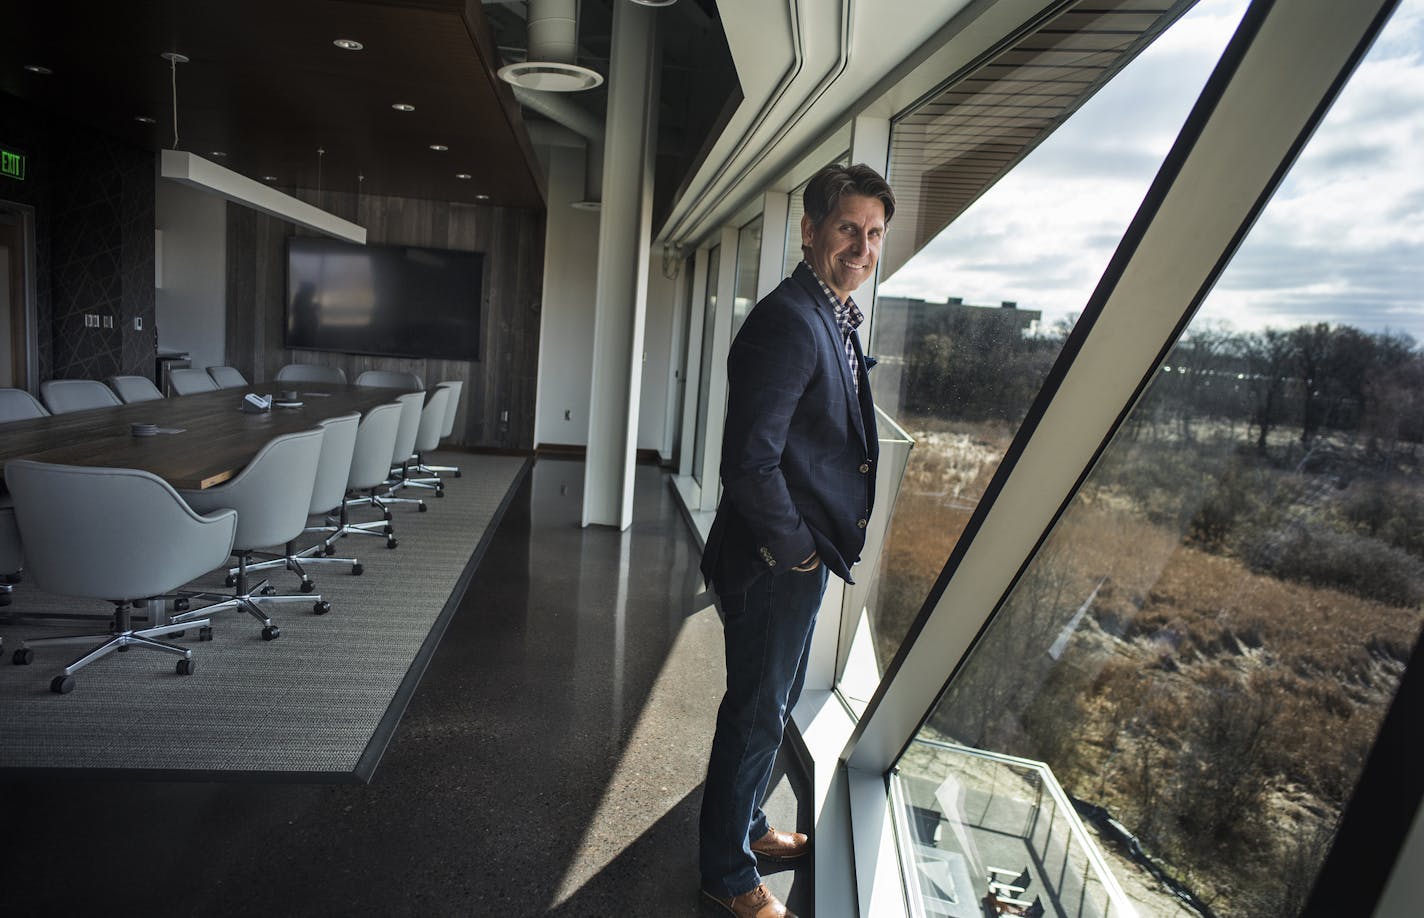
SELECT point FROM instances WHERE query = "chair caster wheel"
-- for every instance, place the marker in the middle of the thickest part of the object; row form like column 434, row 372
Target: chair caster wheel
column 62, row 685
column 421, row 506
column 5, row 599
column 185, row 667
column 23, row 656
column 269, row 590
column 271, row 633
column 329, row 549
column 357, row 570
column 308, row 586
column 391, row 543
column 457, row 473
column 180, row 605
column 229, row 580
column 14, row 578
column 386, row 514
column 388, row 529
column 439, row 492
column 205, row 633
column 321, row 608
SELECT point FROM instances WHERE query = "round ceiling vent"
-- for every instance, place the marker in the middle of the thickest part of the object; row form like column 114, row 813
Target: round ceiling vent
column 550, row 76
column 655, row 2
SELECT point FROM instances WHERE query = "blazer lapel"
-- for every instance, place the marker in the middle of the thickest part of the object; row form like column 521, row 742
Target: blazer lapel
column 855, row 410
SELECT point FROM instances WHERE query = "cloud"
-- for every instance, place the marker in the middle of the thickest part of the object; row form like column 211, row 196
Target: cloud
column 1339, row 241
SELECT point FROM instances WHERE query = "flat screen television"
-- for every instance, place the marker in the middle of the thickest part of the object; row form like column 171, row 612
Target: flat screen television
column 388, row 300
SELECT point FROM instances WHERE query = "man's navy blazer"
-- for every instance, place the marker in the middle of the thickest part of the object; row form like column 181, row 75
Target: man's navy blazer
column 799, row 449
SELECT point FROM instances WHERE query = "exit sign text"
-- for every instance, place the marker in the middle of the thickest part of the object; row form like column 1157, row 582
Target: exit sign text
column 12, row 164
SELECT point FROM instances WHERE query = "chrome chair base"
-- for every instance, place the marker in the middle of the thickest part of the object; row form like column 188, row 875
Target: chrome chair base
column 296, row 562
column 121, row 637
column 247, row 599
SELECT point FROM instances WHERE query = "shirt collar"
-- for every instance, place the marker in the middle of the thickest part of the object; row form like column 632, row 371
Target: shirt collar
column 848, row 315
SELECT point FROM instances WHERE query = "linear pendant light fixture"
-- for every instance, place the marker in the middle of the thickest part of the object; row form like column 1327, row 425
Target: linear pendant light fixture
column 206, row 175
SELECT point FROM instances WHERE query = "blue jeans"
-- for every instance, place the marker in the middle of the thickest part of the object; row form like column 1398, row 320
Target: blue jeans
column 768, row 642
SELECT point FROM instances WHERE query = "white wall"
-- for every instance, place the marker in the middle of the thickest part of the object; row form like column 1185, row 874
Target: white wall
column 191, row 305
column 566, row 329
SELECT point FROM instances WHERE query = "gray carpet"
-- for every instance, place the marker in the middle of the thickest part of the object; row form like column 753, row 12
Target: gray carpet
column 318, row 703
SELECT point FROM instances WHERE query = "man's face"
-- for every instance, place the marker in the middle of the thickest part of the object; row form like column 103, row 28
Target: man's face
column 846, row 246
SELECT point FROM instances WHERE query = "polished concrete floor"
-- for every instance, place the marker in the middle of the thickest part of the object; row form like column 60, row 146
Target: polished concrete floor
column 550, row 763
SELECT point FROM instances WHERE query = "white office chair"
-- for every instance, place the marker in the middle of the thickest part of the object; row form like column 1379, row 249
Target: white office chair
column 391, row 379
column 370, row 467
column 427, row 437
column 311, row 372
column 227, row 377
column 19, row 405
column 134, row 389
column 189, row 381
column 452, row 406
column 12, row 558
column 117, row 534
column 412, row 408
column 271, row 495
column 338, row 445
column 62, row 396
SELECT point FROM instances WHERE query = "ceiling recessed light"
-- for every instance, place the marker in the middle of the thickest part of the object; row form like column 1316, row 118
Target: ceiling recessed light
column 655, row 2
column 348, row 44
column 463, row 176
column 39, row 68
column 439, row 147
column 218, row 153
column 144, row 119
column 550, row 76
column 269, row 178
column 403, row 107
column 481, row 197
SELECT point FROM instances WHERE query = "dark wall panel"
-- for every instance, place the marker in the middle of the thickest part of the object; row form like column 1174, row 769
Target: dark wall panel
column 497, row 408
column 94, row 220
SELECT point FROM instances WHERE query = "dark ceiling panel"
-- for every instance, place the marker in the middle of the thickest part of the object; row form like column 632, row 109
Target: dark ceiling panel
column 266, row 86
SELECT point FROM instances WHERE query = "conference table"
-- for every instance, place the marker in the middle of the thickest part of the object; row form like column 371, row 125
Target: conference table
column 204, row 439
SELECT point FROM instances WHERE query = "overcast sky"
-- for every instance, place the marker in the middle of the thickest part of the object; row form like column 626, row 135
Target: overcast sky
column 1342, row 241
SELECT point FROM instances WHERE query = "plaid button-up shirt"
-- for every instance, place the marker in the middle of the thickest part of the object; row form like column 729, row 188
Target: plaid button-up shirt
column 848, row 319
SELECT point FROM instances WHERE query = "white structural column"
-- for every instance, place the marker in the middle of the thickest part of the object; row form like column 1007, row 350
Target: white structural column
column 692, row 391
column 620, row 301
column 717, row 379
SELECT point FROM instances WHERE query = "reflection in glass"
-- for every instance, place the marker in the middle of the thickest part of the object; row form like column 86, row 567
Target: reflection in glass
column 709, row 323
column 1204, row 648
column 966, row 330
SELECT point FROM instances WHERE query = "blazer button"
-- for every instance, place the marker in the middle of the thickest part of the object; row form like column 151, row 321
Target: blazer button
column 864, row 468
column 860, row 523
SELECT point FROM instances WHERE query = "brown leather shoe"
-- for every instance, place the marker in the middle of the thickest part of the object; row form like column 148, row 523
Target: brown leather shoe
column 781, row 846
column 759, row 903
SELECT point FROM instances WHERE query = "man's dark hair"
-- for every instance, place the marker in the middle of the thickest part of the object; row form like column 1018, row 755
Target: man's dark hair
column 828, row 186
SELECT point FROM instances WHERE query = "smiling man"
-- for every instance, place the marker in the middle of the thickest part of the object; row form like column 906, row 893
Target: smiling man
column 798, row 475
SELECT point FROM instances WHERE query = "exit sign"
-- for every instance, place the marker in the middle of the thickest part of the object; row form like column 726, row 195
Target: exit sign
column 12, row 163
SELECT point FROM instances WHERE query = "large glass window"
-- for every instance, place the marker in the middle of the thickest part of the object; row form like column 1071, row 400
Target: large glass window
column 1201, row 653
column 970, row 318
column 704, row 382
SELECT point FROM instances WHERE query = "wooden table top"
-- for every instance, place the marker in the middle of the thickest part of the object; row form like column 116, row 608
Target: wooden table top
column 213, row 441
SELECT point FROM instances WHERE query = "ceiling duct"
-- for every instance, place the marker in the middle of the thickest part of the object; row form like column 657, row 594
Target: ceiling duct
column 553, row 47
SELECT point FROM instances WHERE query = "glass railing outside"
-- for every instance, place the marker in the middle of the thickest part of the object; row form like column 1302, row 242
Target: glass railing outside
column 992, row 834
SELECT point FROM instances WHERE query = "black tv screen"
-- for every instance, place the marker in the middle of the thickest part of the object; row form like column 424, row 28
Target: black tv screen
column 391, row 300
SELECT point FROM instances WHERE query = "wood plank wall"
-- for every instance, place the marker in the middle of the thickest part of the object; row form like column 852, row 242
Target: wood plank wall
column 497, row 407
